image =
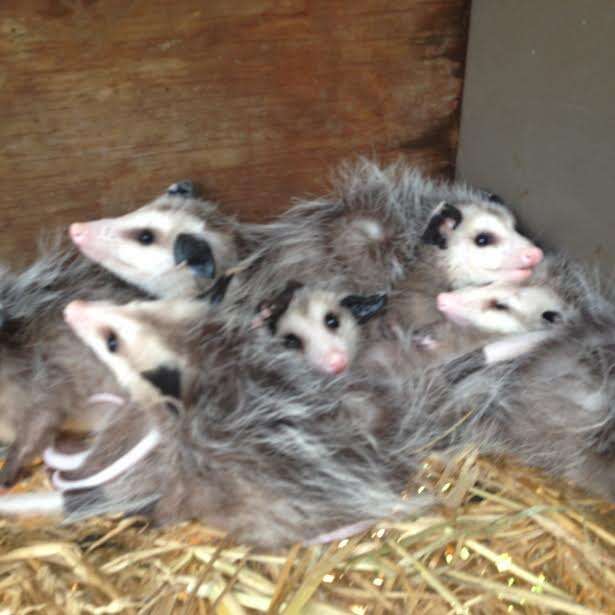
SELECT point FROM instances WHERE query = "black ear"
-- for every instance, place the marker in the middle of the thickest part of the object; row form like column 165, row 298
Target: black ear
column 196, row 253
column 434, row 233
column 363, row 308
column 494, row 198
column 552, row 316
column 184, row 188
column 217, row 292
column 166, row 379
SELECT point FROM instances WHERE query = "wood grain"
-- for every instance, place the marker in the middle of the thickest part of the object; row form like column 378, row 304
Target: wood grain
column 103, row 103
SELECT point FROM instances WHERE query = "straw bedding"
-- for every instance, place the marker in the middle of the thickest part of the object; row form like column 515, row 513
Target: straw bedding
column 507, row 540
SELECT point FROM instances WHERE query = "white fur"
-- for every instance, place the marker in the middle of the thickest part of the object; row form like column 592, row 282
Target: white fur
column 470, row 264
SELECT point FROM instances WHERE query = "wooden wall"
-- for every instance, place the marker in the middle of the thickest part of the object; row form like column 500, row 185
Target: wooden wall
column 103, row 103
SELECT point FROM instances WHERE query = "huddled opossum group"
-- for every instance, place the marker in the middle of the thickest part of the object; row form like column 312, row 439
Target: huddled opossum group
column 284, row 381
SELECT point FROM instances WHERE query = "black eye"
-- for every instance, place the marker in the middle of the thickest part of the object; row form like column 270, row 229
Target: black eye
column 331, row 320
column 112, row 342
column 496, row 305
column 484, row 239
column 146, row 237
column 292, row 342
column 551, row 316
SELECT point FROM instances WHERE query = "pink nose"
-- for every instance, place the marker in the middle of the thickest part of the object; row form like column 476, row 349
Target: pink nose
column 74, row 311
column 448, row 301
column 78, row 232
column 532, row 257
column 336, row 362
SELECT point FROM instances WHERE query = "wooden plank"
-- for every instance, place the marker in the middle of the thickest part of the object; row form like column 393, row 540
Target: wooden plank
column 105, row 102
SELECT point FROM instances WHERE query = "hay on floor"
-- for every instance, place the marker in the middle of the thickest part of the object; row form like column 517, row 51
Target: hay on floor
column 509, row 541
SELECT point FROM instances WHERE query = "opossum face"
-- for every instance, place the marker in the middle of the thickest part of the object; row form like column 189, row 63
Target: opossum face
column 165, row 247
column 480, row 245
column 324, row 326
column 504, row 308
column 129, row 341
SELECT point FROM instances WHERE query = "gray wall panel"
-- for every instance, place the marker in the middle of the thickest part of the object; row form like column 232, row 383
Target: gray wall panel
column 538, row 117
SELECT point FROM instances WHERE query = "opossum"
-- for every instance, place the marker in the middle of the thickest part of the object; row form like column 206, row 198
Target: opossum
column 503, row 308
column 174, row 246
column 557, row 293
column 319, row 324
column 544, row 397
column 35, row 345
column 271, row 458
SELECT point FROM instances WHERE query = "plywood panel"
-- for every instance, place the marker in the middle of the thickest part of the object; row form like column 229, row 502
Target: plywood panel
column 105, row 102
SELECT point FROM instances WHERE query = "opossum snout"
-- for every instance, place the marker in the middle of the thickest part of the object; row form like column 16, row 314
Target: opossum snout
column 78, row 232
column 531, row 257
column 75, row 311
column 448, row 301
column 335, row 362
column 92, row 238
column 453, row 306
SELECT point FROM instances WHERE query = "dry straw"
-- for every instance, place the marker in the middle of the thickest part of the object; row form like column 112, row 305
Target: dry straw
column 508, row 540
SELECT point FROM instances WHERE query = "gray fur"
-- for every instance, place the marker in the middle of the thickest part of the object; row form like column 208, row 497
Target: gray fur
column 276, row 453
column 43, row 385
column 366, row 233
column 31, row 297
column 554, row 406
column 331, row 237
column 44, row 370
column 264, row 452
